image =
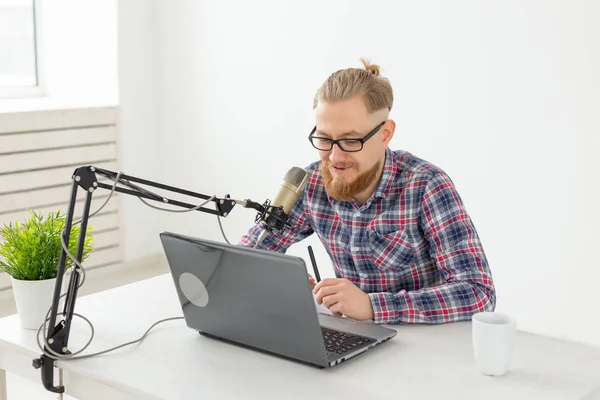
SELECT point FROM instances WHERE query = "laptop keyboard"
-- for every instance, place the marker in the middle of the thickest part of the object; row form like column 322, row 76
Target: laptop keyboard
column 340, row 342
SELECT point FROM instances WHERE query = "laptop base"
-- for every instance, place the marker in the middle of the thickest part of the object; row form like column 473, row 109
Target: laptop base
column 247, row 346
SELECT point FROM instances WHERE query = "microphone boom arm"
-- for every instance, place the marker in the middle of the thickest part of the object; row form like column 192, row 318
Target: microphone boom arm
column 57, row 336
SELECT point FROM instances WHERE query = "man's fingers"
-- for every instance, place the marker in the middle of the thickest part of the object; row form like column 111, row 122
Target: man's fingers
column 337, row 309
column 331, row 300
column 311, row 281
column 325, row 291
column 325, row 282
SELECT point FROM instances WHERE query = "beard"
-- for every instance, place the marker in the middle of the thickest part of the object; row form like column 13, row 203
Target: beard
column 342, row 191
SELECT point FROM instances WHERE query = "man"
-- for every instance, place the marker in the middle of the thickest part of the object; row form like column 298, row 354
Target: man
column 403, row 247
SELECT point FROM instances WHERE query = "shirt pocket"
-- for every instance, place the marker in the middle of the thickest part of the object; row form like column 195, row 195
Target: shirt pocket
column 392, row 251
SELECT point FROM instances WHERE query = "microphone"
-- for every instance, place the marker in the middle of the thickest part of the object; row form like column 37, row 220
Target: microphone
column 276, row 215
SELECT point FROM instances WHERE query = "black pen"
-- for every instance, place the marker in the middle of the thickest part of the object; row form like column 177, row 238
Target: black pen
column 314, row 263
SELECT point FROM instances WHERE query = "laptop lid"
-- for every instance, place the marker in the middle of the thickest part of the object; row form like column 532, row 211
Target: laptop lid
column 251, row 297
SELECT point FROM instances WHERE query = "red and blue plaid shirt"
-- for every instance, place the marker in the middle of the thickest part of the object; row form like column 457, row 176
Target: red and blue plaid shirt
column 411, row 247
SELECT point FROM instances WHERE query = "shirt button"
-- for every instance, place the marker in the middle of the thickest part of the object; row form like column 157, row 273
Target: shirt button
column 355, row 249
column 357, row 214
column 363, row 275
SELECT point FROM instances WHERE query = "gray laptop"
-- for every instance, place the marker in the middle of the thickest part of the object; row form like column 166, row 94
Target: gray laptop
column 261, row 300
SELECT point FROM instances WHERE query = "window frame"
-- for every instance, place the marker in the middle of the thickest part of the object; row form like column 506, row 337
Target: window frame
column 39, row 89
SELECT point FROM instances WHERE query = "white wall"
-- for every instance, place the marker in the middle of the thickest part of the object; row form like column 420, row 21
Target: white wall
column 503, row 95
column 138, row 83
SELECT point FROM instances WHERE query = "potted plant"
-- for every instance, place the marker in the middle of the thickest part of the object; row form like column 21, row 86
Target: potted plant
column 29, row 253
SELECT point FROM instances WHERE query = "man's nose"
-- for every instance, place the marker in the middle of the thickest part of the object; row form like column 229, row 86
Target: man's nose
column 337, row 154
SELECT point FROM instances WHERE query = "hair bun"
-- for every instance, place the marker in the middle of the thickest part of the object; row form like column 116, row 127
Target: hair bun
column 372, row 68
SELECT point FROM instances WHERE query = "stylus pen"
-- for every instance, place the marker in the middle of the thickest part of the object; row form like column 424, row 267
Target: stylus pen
column 314, row 263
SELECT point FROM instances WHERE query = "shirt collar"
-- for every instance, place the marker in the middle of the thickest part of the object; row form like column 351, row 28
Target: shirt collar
column 390, row 168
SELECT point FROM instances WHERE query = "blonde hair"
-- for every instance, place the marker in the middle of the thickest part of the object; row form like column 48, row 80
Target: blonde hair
column 344, row 84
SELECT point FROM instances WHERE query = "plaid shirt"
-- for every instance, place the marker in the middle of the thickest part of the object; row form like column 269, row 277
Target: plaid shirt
column 411, row 247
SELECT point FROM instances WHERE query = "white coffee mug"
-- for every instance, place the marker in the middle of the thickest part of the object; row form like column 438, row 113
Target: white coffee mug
column 493, row 342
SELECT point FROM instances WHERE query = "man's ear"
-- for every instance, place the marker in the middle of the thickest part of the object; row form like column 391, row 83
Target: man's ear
column 388, row 130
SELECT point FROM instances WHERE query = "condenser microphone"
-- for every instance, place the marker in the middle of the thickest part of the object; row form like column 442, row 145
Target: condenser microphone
column 276, row 216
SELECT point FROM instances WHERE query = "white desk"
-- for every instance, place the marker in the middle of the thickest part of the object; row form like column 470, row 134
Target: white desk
column 175, row 362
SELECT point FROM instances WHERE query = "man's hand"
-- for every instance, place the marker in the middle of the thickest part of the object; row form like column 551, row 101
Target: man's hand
column 342, row 297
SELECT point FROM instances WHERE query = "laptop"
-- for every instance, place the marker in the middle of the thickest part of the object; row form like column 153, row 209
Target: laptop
column 263, row 301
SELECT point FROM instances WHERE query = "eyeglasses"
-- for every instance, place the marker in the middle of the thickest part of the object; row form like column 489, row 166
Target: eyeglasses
column 348, row 145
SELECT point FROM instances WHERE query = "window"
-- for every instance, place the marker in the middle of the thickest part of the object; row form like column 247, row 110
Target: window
column 19, row 72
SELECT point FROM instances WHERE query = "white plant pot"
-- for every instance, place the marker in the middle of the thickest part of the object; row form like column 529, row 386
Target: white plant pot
column 33, row 299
